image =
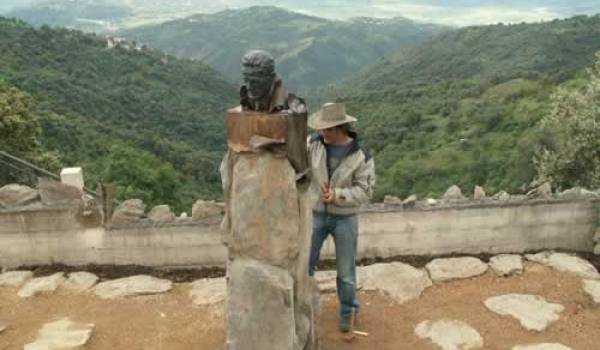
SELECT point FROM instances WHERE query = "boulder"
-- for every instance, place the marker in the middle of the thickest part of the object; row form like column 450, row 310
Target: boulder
column 542, row 191
column 578, row 193
column 597, row 235
column 410, row 201
column 479, row 193
column 502, row 196
column 454, row 194
column 392, row 200
column 3, row 326
column 54, row 193
column 431, row 201
column 161, row 214
column 130, row 211
column 205, row 209
column 14, row 195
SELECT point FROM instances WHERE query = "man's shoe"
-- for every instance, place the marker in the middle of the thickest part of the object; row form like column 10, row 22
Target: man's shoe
column 345, row 323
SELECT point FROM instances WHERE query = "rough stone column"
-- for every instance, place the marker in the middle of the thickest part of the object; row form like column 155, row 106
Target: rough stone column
column 267, row 228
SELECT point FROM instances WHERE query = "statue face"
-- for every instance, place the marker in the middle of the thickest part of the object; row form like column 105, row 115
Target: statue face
column 259, row 86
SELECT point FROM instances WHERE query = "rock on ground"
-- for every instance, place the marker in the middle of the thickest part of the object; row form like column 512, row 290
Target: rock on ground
column 3, row 326
column 205, row 209
column 132, row 286
column 161, row 214
column 14, row 195
column 208, row 291
column 129, row 211
column 15, row 278
column 399, row 281
column 259, row 306
column 566, row 263
column 592, row 288
column 542, row 191
column 450, row 334
column 507, row 264
column 532, row 311
column 454, row 194
column 502, row 196
column 441, row 270
column 80, row 281
column 479, row 193
column 62, row 335
column 578, row 193
column 41, row 284
column 542, row 346
column 392, row 200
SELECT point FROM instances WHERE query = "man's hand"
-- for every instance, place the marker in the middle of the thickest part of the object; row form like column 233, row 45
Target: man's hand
column 327, row 192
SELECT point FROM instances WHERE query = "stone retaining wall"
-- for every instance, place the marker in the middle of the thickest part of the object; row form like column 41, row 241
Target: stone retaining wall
column 58, row 235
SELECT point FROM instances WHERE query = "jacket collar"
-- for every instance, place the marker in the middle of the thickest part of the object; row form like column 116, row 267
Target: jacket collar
column 354, row 147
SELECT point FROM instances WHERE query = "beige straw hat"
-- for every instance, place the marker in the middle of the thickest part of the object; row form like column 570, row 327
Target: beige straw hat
column 330, row 115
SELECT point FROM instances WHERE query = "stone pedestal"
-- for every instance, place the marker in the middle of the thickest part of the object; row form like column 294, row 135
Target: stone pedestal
column 267, row 229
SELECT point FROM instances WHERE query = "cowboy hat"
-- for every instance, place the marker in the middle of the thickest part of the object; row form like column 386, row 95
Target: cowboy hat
column 330, row 115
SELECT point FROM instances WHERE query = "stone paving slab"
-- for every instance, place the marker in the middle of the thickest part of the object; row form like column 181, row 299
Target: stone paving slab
column 208, row 291
column 592, row 288
column 41, row 284
column 399, row 281
column 532, row 311
column 80, row 281
column 441, row 270
column 15, row 278
column 132, row 286
column 450, row 334
column 63, row 334
column 566, row 263
column 543, row 346
column 507, row 264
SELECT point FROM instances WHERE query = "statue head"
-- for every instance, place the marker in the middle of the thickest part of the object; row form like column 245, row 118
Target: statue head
column 258, row 72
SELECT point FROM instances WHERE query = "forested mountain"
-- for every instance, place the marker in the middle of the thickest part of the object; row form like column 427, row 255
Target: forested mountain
column 151, row 123
column 310, row 51
column 464, row 107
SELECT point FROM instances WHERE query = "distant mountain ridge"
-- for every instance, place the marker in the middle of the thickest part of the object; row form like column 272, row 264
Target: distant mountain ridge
column 310, row 51
column 463, row 108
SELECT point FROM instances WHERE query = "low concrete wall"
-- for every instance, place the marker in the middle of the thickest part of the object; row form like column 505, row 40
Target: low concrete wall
column 54, row 235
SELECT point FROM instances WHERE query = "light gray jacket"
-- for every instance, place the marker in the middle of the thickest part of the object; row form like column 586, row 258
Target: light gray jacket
column 353, row 179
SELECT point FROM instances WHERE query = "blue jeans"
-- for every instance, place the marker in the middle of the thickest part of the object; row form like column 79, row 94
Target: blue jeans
column 344, row 230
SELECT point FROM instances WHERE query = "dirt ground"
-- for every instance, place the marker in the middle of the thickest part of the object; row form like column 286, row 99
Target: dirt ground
column 172, row 322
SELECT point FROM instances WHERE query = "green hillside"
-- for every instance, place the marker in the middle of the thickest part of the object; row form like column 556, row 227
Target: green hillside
column 129, row 116
column 464, row 107
column 310, row 51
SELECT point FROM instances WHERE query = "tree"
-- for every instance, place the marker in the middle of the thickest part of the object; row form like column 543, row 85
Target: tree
column 19, row 136
column 139, row 174
column 19, row 127
column 571, row 153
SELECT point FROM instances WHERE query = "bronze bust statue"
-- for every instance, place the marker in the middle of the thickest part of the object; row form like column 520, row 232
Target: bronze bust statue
column 273, row 119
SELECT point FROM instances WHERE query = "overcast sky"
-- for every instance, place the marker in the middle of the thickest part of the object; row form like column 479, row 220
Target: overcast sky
column 452, row 12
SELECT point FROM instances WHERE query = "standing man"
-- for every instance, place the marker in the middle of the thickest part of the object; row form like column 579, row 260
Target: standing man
column 343, row 173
